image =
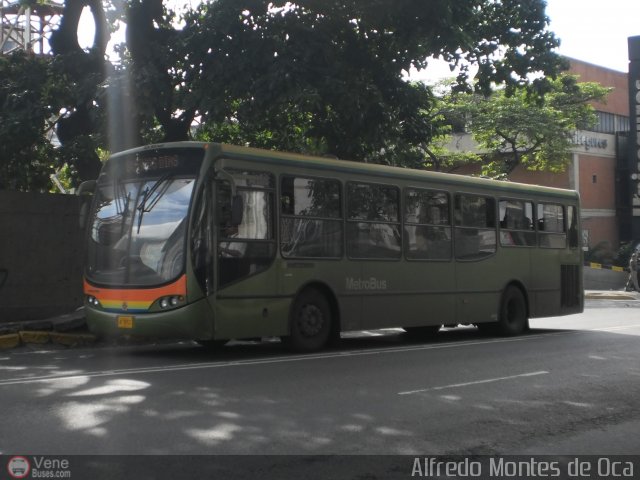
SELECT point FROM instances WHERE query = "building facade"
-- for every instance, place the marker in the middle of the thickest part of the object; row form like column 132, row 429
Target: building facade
column 599, row 156
column 596, row 169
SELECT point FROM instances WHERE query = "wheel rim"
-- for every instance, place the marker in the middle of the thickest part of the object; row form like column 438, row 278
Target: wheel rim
column 310, row 320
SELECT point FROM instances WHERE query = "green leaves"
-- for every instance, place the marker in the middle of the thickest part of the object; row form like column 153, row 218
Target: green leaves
column 325, row 76
column 313, row 76
column 27, row 102
column 520, row 129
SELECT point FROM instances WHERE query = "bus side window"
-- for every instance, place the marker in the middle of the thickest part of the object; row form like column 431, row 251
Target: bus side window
column 247, row 248
column 427, row 228
column 516, row 224
column 551, row 226
column 311, row 217
column 286, row 198
column 475, row 231
column 373, row 221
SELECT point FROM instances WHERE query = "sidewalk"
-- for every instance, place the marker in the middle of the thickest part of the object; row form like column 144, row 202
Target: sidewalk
column 610, row 295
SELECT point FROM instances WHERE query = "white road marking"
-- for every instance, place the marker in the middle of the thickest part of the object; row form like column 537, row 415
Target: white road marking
column 476, row 382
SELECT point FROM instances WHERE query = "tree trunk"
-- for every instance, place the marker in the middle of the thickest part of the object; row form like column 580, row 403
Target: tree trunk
column 81, row 65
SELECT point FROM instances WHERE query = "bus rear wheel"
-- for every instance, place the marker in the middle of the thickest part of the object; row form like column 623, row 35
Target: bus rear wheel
column 310, row 322
column 513, row 317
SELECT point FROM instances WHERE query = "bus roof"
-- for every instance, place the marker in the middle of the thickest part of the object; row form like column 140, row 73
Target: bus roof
column 347, row 167
column 370, row 169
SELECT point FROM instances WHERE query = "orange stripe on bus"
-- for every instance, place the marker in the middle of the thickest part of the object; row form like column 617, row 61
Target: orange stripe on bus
column 179, row 287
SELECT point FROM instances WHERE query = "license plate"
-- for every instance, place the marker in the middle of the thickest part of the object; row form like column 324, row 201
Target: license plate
column 125, row 322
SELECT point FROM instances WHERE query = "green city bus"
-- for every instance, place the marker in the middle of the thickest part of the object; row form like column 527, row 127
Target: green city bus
column 213, row 242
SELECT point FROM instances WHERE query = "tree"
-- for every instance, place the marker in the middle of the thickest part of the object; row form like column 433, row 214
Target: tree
column 60, row 93
column 28, row 100
column 315, row 76
column 325, row 76
column 518, row 129
column 84, row 71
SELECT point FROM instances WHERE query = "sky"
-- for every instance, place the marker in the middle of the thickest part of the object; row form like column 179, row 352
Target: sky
column 593, row 31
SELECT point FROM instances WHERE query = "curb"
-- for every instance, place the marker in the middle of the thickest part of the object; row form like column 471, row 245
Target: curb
column 13, row 340
column 600, row 266
column 9, row 341
column 34, row 336
column 610, row 296
column 68, row 330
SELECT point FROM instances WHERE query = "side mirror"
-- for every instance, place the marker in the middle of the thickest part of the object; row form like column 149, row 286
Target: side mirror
column 237, row 210
column 87, row 187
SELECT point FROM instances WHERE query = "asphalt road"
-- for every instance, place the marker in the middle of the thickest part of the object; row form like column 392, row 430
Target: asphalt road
column 571, row 386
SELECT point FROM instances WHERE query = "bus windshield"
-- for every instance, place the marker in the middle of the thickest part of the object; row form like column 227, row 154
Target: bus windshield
column 137, row 233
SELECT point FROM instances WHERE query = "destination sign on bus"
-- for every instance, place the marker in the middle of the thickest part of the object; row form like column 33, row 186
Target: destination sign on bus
column 154, row 163
column 145, row 164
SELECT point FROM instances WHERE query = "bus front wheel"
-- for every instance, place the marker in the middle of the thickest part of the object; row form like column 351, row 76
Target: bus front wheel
column 310, row 322
column 513, row 317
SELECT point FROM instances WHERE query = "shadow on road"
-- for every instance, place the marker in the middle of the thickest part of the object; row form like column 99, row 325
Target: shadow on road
column 377, row 392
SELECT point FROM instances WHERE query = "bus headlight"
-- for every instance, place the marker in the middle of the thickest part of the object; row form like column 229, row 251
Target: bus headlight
column 170, row 301
column 93, row 301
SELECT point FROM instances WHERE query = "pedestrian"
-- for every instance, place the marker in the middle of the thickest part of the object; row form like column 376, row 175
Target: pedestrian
column 632, row 282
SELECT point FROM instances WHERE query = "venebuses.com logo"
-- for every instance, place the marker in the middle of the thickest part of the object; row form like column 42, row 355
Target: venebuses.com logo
column 18, row 467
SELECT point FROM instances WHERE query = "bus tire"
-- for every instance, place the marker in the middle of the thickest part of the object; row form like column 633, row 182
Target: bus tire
column 512, row 317
column 422, row 333
column 310, row 322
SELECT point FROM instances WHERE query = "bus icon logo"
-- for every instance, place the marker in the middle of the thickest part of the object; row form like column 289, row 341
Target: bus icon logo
column 18, row 467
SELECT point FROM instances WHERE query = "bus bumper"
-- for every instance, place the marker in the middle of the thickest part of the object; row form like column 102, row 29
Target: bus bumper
column 193, row 322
